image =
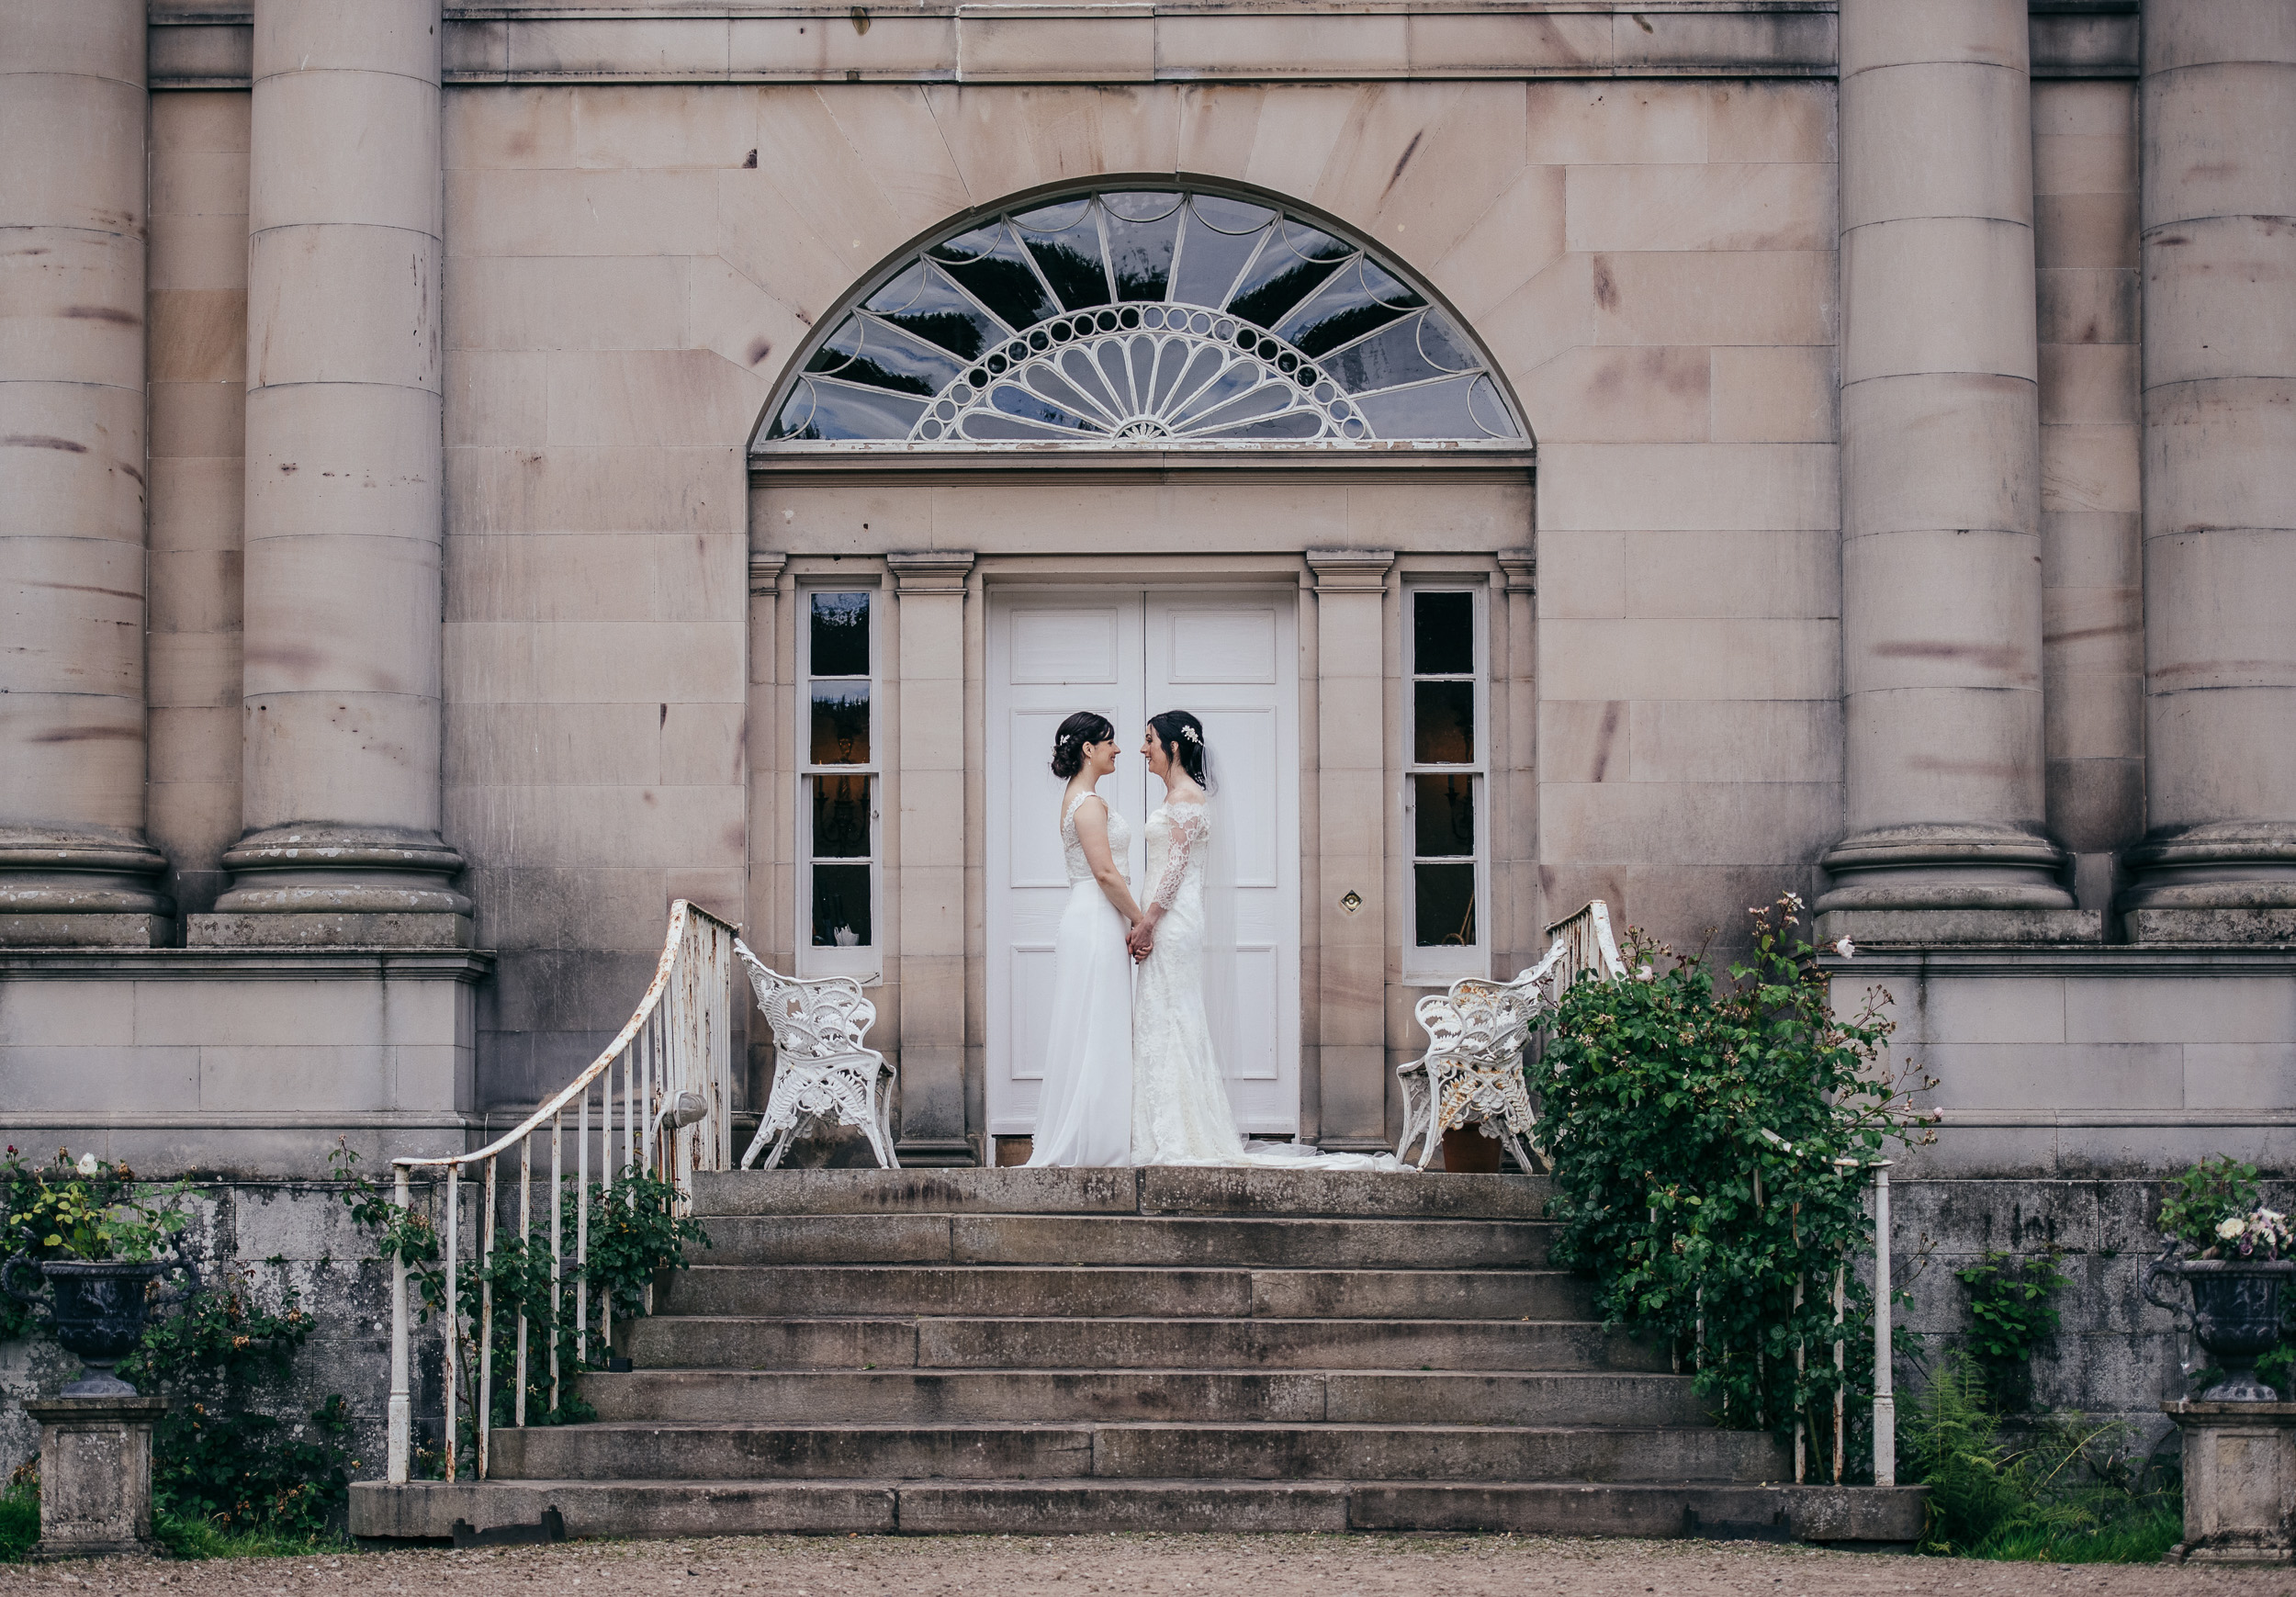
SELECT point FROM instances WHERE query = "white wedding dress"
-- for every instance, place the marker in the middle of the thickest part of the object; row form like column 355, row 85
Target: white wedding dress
column 1180, row 1110
column 1084, row 1112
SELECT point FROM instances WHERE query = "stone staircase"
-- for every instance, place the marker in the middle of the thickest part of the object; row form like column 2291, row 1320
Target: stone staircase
column 1034, row 1351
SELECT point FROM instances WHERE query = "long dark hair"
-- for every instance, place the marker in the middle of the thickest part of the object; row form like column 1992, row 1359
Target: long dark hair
column 1182, row 736
column 1068, row 743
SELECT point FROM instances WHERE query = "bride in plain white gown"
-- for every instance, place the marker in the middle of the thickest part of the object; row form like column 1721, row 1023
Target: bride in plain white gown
column 1180, row 1110
column 1084, row 1113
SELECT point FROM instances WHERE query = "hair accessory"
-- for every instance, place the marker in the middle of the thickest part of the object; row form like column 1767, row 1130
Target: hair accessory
column 1190, row 733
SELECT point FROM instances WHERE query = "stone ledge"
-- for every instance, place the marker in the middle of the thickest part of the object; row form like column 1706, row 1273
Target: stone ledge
column 2064, row 959
column 86, row 931
column 462, row 964
column 1925, row 928
column 333, row 930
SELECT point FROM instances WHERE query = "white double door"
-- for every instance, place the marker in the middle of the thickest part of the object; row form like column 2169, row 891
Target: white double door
column 1128, row 653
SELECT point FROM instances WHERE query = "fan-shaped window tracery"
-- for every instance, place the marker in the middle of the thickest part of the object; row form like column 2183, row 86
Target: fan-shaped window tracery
column 1156, row 317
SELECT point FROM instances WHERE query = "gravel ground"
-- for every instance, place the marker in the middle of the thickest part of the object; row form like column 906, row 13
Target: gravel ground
column 1169, row 1566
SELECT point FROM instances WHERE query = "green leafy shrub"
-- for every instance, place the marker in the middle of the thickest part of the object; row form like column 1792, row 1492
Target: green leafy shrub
column 2215, row 1190
column 1710, row 1145
column 216, row 1460
column 87, row 1209
column 2010, row 1314
column 2070, row 1491
column 19, row 1514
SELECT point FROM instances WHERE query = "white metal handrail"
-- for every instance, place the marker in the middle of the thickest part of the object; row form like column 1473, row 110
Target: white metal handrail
column 675, row 1096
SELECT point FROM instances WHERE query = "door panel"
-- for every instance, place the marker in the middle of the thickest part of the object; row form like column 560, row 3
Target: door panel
column 1232, row 660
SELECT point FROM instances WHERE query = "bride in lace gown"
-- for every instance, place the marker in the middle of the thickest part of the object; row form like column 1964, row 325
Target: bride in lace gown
column 1084, row 1115
column 1180, row 1110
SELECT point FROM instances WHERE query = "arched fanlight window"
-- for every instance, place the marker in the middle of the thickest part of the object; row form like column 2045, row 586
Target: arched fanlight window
column 1149, row 317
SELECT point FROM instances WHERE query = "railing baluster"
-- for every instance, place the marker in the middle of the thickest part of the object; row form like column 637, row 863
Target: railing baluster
column 676, row 1041
column 486, row 1324
column 581, row 1230
column 449, row 1321
column 557, row 1250
column 1885, row 1403
column 401, row 1409
column 526, row 1242
column 1840, row 1299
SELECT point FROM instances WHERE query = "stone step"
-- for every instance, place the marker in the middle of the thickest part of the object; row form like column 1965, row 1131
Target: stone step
column 1159, row 1189
column 1008, row 1290
column 921, row 1397
column 604, row 1509
column 1138, row 1451
column 1131, row 1239
column 730, row 1342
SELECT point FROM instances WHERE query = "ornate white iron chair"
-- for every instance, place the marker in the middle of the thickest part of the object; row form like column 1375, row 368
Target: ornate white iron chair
column 1472, row 1071
column 822, row 1069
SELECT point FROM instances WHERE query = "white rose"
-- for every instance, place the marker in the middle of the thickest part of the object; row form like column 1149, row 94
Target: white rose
column 1846, row 949
column 1646, row 974
column 2230, row 1229
column 87, row 1164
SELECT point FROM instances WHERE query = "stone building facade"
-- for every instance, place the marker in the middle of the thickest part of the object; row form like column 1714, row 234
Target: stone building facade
column 474, row 474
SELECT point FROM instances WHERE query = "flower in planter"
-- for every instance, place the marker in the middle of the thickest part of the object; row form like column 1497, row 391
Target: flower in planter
column 2262, row 1234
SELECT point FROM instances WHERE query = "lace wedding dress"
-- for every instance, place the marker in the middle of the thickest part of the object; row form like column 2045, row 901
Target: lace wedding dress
column 1083, row 1113
column 1180, row 1110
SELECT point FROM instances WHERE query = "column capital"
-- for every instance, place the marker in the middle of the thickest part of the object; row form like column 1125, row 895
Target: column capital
column 1520, row 570
column 1351, row 571
column 930, row 570
column 765, row 571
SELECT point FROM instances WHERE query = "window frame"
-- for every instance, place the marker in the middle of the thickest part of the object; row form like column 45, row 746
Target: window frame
column 1445, row 964
column 864, row 961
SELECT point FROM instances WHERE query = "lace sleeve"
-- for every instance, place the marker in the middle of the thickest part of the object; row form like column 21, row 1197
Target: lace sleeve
column 1188, row 831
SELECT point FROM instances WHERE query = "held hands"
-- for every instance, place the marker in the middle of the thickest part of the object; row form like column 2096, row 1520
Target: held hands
column 1142, row 939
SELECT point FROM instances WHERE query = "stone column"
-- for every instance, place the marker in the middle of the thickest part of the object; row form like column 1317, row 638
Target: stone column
column 340, row 741
column 1351, row 824
column 931, row 609
column 2218, row 214
column 1518, row 918
column 74, row 868
column 1940, row 475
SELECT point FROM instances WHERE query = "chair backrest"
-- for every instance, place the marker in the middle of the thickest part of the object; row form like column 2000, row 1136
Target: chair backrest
column 822, row 1018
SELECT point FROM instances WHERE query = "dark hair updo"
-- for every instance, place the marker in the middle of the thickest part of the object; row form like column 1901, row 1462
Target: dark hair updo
column 1182, row 736
column 1068, row 743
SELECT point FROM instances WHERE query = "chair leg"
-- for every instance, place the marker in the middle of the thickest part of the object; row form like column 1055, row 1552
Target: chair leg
column 1414, row 1105
column 789, row 1136
column 756, row 1143
column 883, row 1129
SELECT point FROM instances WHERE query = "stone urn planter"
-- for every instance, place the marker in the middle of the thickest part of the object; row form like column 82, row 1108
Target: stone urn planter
column 96, row 1309
column 2235, row 1316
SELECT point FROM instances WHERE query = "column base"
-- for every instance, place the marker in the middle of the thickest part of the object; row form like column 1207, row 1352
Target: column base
column 2228, row 881
column 86, row 931
column 1946, row 868
column 1991, row 928
column 77, row 889
column 307, row 885
column 327, row 930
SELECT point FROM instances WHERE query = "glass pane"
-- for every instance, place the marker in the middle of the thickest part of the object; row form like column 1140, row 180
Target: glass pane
column 824, row 408
column 1443, row 722
column 989, row 263
column 1446, row 905
column 1443, row 813
column 1142, row 229
column 1294, row 264
column 884, row 356
column 840, row 817
column 923, row 300
column 841, row 723
column 840, row 906
column 1354, row 302
column 1066, row 239
column 840, row 635
column 1222, row 235
column 1443, row 634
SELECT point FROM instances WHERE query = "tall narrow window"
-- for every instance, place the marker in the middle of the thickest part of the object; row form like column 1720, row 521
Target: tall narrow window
column 838, row 813
column 1444, row 765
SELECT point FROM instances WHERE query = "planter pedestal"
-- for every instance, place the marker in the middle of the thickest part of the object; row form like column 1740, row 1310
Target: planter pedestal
column 95, row 1475
column 2239, row 1482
